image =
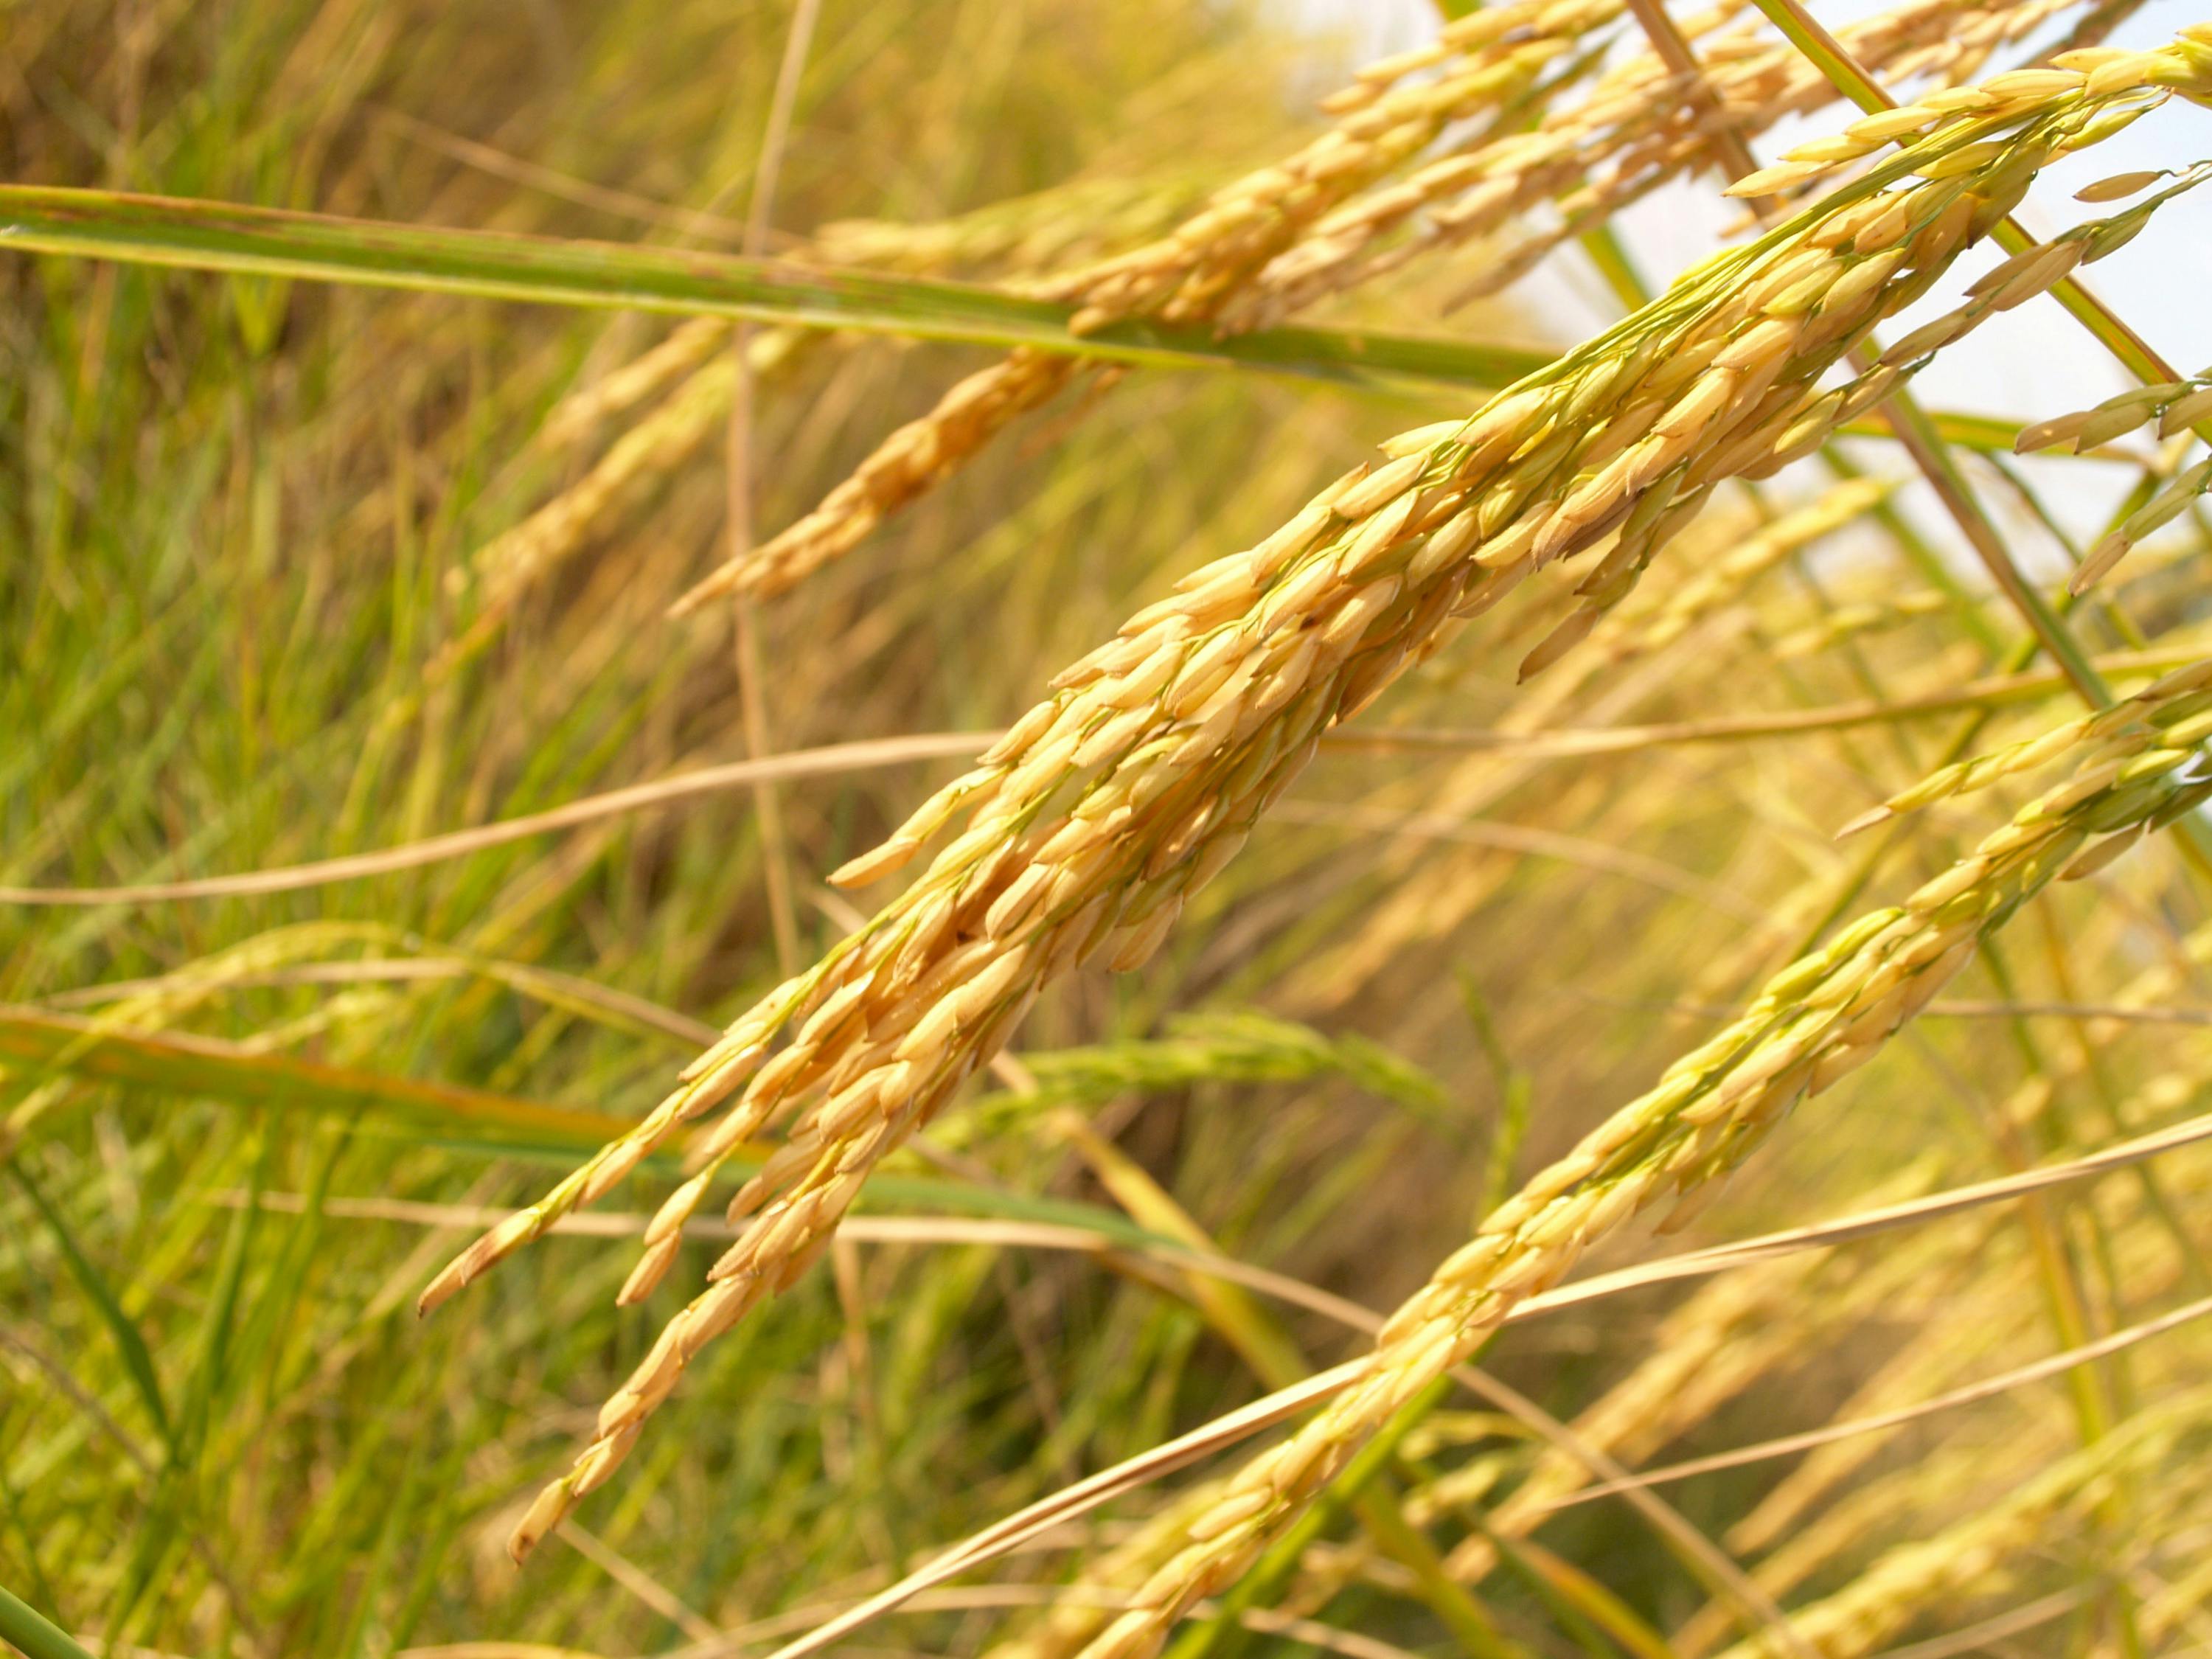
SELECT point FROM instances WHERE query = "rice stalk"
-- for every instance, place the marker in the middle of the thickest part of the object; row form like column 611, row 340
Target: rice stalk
column 1086, row 1496
column 2005, row 1288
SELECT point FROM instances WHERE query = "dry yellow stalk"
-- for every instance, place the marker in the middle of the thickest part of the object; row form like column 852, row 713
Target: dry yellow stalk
column 2008, row 1291
column 1716, row 1345
column 1920, row 1370
column 1814, row 1023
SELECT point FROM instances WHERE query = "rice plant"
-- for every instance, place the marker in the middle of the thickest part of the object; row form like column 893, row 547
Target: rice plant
column 1072, row 831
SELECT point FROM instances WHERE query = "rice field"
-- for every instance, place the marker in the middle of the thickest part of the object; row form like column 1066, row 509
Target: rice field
column 1077, row 832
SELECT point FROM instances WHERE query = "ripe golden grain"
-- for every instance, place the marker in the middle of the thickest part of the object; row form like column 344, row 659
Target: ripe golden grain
column 1254, row 660
column 1813, row 1024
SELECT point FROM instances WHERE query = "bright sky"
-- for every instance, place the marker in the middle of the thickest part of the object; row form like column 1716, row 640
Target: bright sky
column 2027, row 363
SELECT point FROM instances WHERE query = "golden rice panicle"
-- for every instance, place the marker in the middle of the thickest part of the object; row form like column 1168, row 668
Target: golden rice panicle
column 2144, row 736
column 1084, row 217
column 1727, row 556
column 652, row 372
column 2173, row 499
column 1952, row 130
column 1382, row 120
column 1855, row 618
column 1634, row 632
column 1090, row 825
column 1638, row 125
column 1705, row 1352
column 1220, row 259
column 1813, row 1024
column 1913, row 1576
column 905, row 465
column 1188, row 276
column 2175, row 406
column 1021, row 236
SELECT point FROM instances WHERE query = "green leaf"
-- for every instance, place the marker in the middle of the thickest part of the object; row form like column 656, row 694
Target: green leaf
column 196, row 235
column 137, row 1359
column 209, row 1374
column 24, row 1626
column 200, row 236
column 53, row 1043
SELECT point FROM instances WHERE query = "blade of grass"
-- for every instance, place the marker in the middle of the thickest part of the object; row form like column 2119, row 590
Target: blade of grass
column 1575, row 1595
column 24, row 1626
column 231, row 237
column 129, row 1341
column 52, row 1043
column 204, row 1386
column 223, row 236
